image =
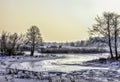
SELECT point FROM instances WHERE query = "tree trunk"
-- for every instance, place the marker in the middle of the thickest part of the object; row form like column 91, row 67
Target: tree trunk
column 32, row 52
column 116, row 52
column 109, row 38
column 33, row 47
column 110, row 47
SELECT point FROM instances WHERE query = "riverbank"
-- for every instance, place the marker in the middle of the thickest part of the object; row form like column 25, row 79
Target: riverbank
column 54, row 70
column 93, row 75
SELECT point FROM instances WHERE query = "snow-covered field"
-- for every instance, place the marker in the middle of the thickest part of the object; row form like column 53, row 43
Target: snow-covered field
column 58, row 68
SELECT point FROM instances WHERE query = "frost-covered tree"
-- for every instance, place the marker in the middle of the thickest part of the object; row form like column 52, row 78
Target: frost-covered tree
column 33, row 37
column 107, row 26
column 3, row 39
column 116, row 32
column 10, row 43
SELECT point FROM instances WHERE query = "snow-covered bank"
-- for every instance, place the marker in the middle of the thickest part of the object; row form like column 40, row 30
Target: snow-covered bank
column 93, row 75
column 58, row 68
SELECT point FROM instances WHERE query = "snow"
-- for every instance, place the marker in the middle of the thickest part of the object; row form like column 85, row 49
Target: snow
column 57, row 68
column 62, row 64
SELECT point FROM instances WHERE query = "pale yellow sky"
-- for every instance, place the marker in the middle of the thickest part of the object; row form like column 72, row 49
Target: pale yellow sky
column 58, row 20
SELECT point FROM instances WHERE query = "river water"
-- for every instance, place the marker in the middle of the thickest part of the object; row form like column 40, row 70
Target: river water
column 67, row 64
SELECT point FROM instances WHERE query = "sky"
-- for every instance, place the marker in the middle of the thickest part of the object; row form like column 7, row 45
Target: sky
column 58, row 20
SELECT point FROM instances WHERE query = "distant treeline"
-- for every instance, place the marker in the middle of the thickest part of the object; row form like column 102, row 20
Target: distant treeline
column 72, row 50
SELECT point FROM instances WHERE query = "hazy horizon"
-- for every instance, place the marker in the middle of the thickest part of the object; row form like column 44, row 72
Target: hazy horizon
column 58, row 20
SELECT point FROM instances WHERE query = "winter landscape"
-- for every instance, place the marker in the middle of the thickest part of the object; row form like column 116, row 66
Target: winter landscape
column 59, row 41
column 59, row 68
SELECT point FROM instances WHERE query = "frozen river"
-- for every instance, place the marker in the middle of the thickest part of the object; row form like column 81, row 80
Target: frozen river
column 71, row 62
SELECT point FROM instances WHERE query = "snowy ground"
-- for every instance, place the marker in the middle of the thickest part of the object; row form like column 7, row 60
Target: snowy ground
column 58, row 68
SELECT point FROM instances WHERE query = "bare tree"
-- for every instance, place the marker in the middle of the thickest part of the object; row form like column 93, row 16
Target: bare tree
column 3, row 40
column 104, row 27
column 33, row 37
column 10, row 43
column 116, row 31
